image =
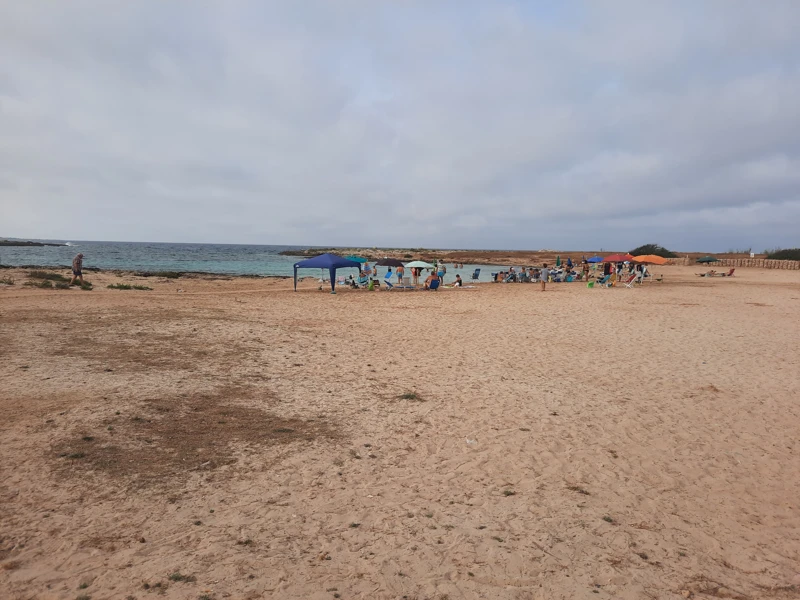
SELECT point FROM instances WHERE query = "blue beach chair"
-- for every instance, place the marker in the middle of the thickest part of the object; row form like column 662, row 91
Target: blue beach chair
column 434, row 286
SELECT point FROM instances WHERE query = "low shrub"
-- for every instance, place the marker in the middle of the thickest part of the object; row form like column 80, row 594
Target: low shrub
column 788, row 254
column 44, row 284
column 653, row 249
column 6, row 281
column 125, row 286
column 47, row 276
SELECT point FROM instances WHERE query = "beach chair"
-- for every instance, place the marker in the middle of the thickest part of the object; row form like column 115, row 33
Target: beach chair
column 475, row 275
column 387, row 281
column 630, row 281
column 604, row 282
column 362, row 282
column 434, row 286
column 729, row 273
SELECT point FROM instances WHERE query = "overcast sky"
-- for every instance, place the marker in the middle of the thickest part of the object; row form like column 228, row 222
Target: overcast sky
column 440, row 124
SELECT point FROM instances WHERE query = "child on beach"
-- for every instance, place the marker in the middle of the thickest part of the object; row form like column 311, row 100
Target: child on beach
column 544, row 274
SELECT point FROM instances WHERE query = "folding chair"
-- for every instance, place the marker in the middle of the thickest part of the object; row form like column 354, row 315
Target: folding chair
column 604, row 282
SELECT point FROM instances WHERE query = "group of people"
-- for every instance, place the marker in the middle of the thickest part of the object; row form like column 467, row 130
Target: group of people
column 571, row 272
column 367, row 276
column 541, row 275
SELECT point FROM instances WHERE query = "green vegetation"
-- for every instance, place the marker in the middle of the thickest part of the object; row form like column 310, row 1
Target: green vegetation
column 166, row 274
column 653, row 249
column 126, row 286
column 177, row 576
column 788, row 254
column 47, row 276
column 44, row 284
column 6, row 281
column 410, row 396
column 62, row 286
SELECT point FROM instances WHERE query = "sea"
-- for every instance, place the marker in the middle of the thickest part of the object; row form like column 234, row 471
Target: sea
column 226, row 259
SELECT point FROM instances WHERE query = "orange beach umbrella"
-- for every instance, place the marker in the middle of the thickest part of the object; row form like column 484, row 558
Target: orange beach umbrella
column 651, row 258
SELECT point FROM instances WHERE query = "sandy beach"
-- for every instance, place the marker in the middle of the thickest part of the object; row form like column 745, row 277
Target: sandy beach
column 229, row 438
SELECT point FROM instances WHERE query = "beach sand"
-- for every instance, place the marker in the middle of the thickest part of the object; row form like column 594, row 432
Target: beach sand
column 497, row 442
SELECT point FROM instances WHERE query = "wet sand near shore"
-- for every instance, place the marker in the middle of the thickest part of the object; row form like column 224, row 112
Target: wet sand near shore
column 229, row 438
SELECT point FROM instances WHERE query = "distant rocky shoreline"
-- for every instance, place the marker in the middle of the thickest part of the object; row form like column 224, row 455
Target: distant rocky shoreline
column 140, row 273
column 24, row 243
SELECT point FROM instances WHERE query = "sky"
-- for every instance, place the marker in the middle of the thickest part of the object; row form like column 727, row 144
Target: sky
column 463, row 124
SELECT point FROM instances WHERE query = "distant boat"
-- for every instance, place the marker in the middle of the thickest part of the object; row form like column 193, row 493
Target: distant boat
column 69, row 244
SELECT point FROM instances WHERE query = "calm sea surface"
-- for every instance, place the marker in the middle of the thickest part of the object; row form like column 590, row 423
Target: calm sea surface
column 233, row 259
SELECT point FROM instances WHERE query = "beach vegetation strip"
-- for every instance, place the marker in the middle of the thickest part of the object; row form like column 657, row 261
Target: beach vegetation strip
column 126, row 286
column 787, row 254
column 47, row 276
column 163, row 274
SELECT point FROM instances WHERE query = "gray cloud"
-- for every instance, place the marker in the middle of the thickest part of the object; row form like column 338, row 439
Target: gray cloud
column 440, row 124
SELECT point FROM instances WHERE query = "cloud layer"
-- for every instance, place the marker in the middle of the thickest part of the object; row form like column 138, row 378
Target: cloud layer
column 450, row 124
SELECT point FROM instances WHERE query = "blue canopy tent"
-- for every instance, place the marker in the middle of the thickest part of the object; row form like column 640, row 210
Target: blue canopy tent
column 325, row 261
column 595, row 259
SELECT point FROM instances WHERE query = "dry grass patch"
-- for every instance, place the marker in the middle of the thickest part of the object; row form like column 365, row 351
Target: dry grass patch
column 167, row 439
column 178, row 345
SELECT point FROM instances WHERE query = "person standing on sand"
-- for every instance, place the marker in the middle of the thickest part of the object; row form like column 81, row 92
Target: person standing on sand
column 401, row 271
column 77, row 269
column 544, row 274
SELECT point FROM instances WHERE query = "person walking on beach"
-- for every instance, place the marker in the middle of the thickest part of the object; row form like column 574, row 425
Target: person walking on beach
column 544, row 274
column 442, row 269
column 401, row 271
column 77, row 269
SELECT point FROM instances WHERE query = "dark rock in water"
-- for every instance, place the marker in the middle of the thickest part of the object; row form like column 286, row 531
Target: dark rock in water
column 307, row 252
column 21, row 243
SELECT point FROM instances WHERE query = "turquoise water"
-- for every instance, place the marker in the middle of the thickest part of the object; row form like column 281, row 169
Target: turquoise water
column 231, row 259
